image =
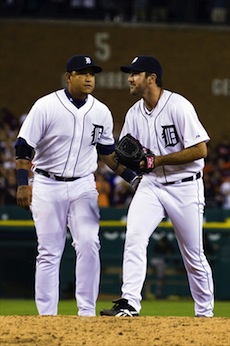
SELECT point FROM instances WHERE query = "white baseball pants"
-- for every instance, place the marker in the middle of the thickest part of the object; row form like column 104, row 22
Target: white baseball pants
column 183, row 203
column 55, row 205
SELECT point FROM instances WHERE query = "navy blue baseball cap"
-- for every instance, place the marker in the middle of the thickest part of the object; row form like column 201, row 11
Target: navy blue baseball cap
column 144, row 63
column 81, row 62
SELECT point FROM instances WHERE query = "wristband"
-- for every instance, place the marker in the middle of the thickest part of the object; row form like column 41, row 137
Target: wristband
column 128, row 175
column 22, row 176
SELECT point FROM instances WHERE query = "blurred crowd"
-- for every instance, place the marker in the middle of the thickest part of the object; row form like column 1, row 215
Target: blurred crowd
column 113, row 190
column 163, row 11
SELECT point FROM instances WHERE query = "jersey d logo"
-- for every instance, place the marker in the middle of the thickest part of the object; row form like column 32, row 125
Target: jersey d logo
column 96, row 133
column 170, row 136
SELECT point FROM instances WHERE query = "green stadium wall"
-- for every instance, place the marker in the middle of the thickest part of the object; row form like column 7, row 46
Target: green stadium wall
column 18, row 253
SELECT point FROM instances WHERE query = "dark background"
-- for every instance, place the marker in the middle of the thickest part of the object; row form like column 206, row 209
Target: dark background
column 33, row 55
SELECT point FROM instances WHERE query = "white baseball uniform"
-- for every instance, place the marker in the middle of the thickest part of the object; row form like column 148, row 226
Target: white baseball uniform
column 170, row 127
column 65, row 138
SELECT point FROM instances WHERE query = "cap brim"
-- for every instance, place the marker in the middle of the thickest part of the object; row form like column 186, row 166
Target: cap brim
column 95, row 69
column 129, row 69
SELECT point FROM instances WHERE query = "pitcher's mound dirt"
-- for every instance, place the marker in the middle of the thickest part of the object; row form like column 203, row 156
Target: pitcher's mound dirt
column 112, row 331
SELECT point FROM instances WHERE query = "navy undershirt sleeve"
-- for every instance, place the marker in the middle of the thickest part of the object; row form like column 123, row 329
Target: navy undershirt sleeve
column 105, row 149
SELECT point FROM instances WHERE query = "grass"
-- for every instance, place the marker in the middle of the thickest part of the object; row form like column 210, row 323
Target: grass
column 149, row 308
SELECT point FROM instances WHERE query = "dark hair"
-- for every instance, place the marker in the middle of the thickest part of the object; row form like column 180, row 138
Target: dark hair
column 159, row 82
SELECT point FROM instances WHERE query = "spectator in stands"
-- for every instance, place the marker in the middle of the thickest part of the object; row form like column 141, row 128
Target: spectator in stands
column 9, row 119
column 216, row 171
column 213, row 197
column 223, row 149
column 8, row 133
column 157, row 11
column 108, row 175
column 176, row 11
column 104, row 189
column 219, row 11
column 115, row 10
column 10, row 187
column 122, row 193
column 139, row 10
column 84, row 9
column 225, row 190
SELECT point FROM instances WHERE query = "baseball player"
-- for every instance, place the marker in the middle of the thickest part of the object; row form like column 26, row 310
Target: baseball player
column 167, row 124
column 65, row 131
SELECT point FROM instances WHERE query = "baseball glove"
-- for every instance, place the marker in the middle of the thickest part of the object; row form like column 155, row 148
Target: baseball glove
column 130, row 152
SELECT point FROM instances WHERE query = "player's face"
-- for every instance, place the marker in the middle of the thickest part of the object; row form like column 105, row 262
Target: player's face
column 137, row 83
column 81, row 83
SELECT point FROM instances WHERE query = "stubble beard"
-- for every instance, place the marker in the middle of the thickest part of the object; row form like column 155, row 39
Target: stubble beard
column 135, row 91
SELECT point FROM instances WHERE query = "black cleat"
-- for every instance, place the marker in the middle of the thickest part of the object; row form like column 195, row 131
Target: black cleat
column 121, row 308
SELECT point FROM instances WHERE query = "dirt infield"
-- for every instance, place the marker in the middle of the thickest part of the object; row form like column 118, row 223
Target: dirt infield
column 110, row 331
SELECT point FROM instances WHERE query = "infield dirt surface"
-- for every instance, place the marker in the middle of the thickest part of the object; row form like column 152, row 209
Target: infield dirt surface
column 112, row 331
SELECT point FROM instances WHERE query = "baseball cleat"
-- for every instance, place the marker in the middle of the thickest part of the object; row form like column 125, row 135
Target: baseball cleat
column 121, row 308
column 203, row 316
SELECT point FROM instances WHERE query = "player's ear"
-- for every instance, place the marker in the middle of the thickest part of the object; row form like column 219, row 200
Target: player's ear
column 152, row 78
column 67, row 76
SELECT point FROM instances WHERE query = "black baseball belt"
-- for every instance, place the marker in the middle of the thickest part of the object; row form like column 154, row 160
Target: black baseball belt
column 53, row 176
column 193, row 177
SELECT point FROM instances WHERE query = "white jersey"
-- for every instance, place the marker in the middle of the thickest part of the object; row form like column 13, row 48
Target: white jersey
column 65, row 137
column 171, row 126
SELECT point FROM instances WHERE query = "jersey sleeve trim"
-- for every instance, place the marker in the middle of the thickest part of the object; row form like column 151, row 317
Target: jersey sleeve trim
column 105, row 149
column 22, row 141
column 23, row 149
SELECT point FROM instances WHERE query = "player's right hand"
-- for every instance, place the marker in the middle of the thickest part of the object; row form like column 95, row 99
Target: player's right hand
column 24, row 196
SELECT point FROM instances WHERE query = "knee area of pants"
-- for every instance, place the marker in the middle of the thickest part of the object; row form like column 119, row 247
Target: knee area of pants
column 87, row 245
column 48, row 259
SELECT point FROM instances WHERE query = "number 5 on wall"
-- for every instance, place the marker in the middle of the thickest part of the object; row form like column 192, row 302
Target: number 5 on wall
column 103, row 49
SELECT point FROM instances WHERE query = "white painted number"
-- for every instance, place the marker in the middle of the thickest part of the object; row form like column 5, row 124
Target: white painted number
column 103, row 49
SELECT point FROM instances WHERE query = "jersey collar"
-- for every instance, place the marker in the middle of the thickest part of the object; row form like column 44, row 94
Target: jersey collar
column 77, row 103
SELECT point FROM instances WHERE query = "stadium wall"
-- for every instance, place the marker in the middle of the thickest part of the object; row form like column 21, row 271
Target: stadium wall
column 18, row 253
column 196, row 63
